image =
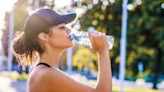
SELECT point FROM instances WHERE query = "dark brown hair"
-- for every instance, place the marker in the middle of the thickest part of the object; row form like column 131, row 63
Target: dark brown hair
column 26, row 51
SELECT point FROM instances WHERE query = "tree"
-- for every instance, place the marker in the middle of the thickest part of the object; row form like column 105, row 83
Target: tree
column 145, row 33
column 147, row 23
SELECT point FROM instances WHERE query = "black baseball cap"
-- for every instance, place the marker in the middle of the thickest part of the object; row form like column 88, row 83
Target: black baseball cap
column 42, row 19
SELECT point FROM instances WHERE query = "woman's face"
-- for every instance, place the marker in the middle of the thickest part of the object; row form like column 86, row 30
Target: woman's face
column 60, row 37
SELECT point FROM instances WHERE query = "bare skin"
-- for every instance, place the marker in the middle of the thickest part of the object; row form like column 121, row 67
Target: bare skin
column 45, row 79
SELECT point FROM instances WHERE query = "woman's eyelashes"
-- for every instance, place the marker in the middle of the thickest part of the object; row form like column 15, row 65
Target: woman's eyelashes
column 62, row 27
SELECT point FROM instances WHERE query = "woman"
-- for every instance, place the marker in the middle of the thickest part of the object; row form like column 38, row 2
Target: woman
column 46, row 36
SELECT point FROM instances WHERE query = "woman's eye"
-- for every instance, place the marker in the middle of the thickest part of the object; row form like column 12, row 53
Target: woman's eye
column 62, row 27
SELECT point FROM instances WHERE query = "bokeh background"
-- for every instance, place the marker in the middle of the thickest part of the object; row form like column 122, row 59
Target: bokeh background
column 144, row 48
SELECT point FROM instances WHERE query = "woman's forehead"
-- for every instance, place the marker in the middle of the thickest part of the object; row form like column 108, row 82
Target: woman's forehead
column 63, row 24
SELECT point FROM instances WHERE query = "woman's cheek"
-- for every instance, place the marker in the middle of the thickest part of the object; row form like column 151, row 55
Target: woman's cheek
column 61, row 38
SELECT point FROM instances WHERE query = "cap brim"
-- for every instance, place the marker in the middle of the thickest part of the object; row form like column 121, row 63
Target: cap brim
column 64, row 19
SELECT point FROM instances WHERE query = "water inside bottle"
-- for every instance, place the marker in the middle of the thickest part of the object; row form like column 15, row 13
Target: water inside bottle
column 83, row 38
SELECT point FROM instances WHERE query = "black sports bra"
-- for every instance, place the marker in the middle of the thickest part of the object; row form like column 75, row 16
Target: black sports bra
column 39, row 64
column 43, row 64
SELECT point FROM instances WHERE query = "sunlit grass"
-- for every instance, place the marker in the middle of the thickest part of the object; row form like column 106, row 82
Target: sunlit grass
column 115, row 88
column 15, row 75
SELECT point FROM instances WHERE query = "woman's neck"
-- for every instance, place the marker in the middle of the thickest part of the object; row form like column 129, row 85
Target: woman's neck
column 51, row 56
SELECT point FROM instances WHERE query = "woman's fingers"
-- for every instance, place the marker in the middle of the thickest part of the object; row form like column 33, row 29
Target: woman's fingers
column 90, row 34
column 94, row 33
column 98, row 41
column 99, row 33
column 104, row 34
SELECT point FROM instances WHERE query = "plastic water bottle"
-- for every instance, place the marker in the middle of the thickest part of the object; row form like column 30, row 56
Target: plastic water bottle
column 83, row 38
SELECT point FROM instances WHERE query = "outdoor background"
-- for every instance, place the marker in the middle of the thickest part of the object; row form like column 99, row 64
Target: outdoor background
column 145, row 41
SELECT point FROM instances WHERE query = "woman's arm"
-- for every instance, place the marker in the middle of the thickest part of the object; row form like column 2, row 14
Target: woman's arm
column 104, row 82
column 100, row 45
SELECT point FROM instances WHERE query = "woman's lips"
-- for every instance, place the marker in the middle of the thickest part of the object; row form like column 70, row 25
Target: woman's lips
column 70, row 38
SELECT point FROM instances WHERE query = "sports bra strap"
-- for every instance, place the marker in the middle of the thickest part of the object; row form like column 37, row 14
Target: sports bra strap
column 43, row 64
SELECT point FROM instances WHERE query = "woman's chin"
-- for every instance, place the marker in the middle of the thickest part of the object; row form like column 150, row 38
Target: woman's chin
column 70, row 45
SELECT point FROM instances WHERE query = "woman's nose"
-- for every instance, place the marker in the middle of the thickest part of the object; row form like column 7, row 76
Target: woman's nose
column 68, row 30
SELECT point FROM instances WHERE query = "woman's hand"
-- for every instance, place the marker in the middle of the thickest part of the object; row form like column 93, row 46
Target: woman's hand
column 98, row 42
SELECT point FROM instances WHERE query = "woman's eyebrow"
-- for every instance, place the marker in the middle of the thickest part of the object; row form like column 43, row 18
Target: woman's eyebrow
column 61, row 25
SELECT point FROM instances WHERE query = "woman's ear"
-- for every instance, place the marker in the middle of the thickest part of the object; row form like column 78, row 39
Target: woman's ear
column 42, row 36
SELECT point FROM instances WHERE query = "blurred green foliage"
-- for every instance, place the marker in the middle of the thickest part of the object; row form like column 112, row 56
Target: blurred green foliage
column 84, row 58
column 145, row 33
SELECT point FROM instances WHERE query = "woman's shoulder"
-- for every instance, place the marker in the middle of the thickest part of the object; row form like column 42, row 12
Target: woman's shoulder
column 40, row 77
column 50, row 74
column 41, row 73
column 46, row 74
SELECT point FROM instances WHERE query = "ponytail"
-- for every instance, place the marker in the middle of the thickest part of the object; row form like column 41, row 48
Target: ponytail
column 23, row 53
